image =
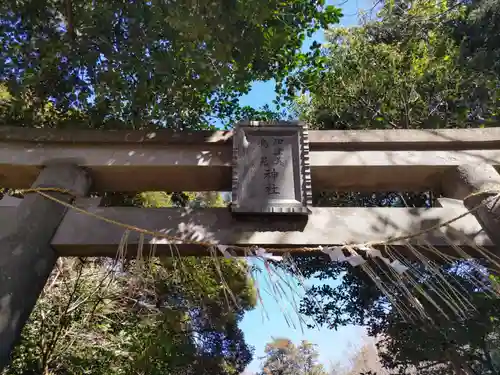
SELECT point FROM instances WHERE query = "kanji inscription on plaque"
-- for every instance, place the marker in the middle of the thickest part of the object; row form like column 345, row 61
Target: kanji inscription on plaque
column 271, row 172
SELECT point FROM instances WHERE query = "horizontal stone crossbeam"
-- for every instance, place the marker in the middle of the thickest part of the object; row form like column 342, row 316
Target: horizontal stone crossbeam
column 83, row 235
column 201, row 161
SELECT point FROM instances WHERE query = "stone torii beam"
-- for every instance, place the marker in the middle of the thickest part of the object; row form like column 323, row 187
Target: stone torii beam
column 82, row 235
column 373, row 160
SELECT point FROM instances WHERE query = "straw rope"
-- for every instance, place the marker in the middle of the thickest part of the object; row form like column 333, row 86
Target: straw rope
column 410, row 309
column 44, row 190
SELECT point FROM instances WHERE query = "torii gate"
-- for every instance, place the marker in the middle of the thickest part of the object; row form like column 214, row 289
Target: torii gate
column 271, row 170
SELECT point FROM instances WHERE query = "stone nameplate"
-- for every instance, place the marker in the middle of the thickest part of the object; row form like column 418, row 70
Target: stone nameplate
column 271, row 172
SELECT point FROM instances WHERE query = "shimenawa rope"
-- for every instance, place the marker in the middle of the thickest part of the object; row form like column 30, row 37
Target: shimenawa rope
column 43, row 192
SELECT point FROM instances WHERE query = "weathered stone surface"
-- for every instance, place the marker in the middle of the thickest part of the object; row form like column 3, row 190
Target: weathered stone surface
column 83, row 235
column 271, row 171
column 478, row 185
column 208, row 167
column 26, row 256
column 392, row 139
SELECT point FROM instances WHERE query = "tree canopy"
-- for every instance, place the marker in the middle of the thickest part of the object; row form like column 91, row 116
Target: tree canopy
column 177, row 64
column 403, row 70
column 282, row 357
column 478, row 33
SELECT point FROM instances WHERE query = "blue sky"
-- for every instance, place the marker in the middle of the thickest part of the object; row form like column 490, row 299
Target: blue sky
column 263, row 92
column 276, row 317
column 268, row 320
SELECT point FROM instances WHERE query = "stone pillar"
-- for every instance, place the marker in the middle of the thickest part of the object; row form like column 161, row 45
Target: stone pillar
column 465, row 180
column 26, row 257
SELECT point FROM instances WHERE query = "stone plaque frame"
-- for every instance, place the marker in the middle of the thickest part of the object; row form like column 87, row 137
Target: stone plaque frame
column 299, row 197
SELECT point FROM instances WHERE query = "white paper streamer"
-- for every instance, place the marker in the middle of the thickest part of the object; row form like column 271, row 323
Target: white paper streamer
column 399, row 267
column 335, row 253
column 262, row 253
column 355, row 259
column 396, row 264
column 364, row 248
column 374, row 253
